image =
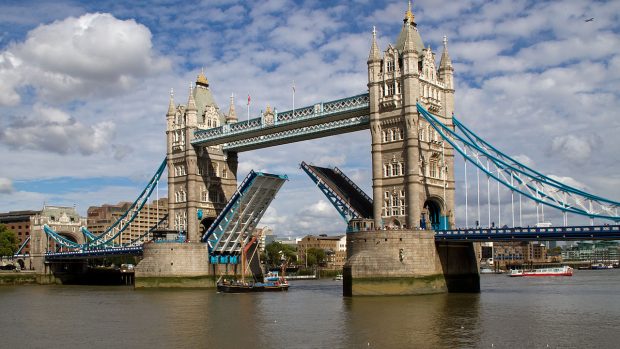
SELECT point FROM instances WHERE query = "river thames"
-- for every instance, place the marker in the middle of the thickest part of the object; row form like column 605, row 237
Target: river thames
column 582, row 311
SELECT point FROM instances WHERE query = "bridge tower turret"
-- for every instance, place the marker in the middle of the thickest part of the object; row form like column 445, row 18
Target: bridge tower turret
column 413, row 183
column 200, row 180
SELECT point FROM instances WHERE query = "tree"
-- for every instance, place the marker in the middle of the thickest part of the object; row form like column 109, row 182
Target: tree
column 316, row 256
column 275, row 252
column 8, row 241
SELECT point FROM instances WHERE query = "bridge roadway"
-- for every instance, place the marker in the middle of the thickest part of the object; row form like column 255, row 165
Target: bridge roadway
column 595, row 232
column 319, row 120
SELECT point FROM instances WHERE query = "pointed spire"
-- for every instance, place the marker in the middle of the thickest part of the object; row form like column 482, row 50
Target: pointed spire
column 171, row 104
column 201, row 80
column 409, row 17
column 445, row 61
column 191, row 103
column 232, row 116
column 409, row 44
column 374, row 48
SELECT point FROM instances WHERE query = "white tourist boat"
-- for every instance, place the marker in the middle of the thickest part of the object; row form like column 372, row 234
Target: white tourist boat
column 555, row 271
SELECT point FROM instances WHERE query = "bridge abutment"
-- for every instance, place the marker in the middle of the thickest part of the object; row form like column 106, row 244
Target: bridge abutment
column 176, row 265
column 407, row 262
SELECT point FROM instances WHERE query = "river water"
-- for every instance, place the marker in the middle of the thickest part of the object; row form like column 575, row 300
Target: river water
column 582, row 311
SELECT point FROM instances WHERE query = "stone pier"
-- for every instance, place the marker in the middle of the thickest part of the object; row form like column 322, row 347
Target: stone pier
column 407, row 262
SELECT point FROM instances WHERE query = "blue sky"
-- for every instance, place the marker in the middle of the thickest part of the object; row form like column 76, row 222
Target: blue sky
column 85, row 85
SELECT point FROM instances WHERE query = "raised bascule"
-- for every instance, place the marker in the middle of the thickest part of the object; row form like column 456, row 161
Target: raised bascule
column 402, row 239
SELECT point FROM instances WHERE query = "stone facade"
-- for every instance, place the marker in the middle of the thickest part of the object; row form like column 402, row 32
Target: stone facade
column 407, row 262
column 413, row 179
column 335, row 248
column 200, row 180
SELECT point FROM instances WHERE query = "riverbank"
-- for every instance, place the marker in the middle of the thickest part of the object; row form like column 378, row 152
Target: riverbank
column 18, row 278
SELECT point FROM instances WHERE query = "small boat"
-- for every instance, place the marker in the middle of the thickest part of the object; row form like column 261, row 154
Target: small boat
column 235, row 286
column 338, row 277
column 272, row 282
column 555, row 271
column 600, row 266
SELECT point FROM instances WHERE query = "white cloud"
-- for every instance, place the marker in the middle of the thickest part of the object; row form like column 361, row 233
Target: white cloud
column 52, row 130
column 570, row 181
column 92, row 55
column 6, row 186
column 572, row 147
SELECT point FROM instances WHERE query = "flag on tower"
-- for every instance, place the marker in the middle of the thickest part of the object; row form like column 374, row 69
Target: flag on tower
column 293, row 86
column 249, row 99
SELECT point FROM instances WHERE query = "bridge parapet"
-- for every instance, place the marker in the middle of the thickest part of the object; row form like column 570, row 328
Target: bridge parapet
column 596, row 232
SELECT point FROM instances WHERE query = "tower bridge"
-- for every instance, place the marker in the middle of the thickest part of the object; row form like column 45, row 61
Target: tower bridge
column 402, row 238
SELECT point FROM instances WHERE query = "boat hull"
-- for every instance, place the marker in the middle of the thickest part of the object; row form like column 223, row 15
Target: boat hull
column 224, row 288
column 565, row 271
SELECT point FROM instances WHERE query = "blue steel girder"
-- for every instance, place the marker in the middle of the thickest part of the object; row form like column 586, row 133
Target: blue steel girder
column 520, row 179
column 234, row 226
column 119, row 226
column 61, row 240
column 96, row 253
column 21, row 247
column 339, row 116
column 342, row 206
column 596, row 232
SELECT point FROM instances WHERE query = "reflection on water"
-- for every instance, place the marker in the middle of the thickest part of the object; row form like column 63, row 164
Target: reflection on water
column 581, row 311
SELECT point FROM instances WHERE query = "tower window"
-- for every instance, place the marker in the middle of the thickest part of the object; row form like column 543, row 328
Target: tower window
column 390, row 65
column 391, row 89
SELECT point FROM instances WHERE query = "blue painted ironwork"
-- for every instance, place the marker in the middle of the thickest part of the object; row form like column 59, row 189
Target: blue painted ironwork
column 96, row 253
column 596, row 232
column 519, row 178
column 299, row 120
column 61, row 240
column 344, row 207
column 106, row 239
column 22, row 246
column 234, row 225
column 300, row 133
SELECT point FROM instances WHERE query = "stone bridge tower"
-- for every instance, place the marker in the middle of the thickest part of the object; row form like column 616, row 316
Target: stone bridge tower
column 413, row 177
column 200, row 180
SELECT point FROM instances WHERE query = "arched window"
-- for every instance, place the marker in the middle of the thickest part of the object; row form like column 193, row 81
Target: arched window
column 394, row 169
column 401, row 170
column 385, row 171
column 393, row 134
column 389, row 170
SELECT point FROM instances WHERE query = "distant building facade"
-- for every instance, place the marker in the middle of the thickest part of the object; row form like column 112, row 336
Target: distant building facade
column 599, row 251
column 64, row 220
column 102, row 217
column 335, row 248
column 19, row 222
column 506, row 253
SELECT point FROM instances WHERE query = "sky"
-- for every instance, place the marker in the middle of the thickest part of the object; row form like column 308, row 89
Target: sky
column 84, row 89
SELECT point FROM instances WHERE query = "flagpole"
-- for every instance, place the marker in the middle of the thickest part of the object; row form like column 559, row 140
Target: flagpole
column 248, row 106
column 293, row 98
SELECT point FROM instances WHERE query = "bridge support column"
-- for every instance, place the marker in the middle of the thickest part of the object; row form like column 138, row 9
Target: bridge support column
column 407, row 262
column 175, row 265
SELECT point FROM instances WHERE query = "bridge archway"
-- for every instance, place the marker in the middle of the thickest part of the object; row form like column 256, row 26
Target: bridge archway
column 433, row 216
column 21, row 263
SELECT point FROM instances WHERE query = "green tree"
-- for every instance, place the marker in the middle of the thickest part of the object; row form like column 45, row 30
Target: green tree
column 316, row 256
column 276, row 252
column 8, row 241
